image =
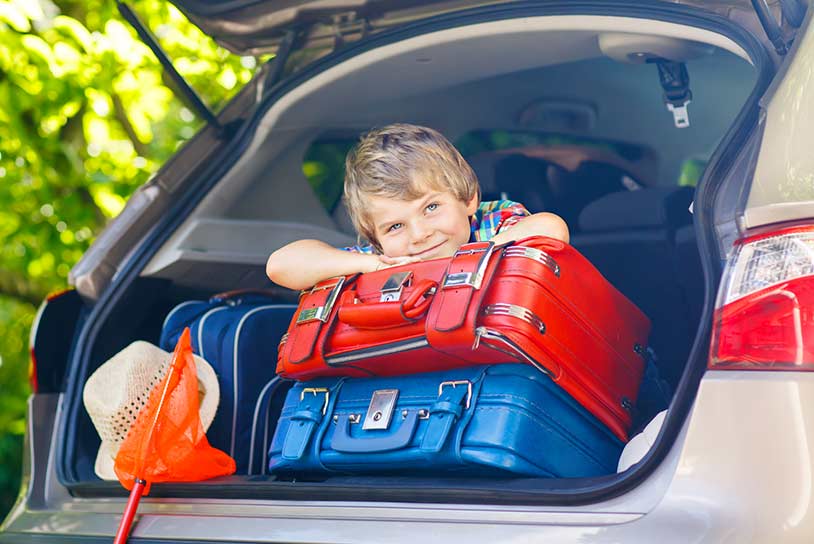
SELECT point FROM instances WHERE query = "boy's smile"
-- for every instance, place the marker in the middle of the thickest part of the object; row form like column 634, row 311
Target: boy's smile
column 432, row 226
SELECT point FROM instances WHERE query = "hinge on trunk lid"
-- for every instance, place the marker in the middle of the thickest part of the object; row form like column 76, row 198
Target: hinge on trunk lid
column 346, row 24
column 792, row 11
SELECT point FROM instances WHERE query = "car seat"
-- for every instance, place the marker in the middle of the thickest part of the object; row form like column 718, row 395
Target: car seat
column 522, row 179
column 630, row 237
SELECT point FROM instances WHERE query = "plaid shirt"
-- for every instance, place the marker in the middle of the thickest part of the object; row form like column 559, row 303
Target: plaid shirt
column 494, row 216
column 489, row 219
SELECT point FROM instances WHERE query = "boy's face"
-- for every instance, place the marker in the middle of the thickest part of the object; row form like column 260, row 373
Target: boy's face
column 434, row 225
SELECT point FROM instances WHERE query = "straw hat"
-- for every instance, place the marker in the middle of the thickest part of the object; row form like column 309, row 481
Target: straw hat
column 115, row 393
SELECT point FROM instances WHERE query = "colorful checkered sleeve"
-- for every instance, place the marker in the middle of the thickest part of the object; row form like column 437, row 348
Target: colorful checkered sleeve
column 494, row 216
column 367, row 250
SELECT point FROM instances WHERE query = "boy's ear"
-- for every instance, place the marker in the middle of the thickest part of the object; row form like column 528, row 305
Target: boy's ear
column 472, row 204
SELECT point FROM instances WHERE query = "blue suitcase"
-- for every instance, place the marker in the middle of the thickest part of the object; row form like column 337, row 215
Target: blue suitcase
column 238, row 335
column 266, row 413
column 507, row 419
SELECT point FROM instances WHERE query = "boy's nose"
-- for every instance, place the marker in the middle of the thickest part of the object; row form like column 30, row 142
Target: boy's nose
column 419, row 232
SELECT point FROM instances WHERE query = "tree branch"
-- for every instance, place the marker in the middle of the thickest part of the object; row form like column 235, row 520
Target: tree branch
column 87, row 199
column 23, row 289
column 124, row 121
column 73, row 137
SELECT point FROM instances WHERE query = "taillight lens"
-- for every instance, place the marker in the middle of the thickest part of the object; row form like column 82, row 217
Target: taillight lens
column 32, row 373
column 764, row 318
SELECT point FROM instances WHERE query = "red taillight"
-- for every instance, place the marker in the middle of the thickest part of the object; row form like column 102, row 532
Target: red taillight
column 764, row 319
column 32, row 373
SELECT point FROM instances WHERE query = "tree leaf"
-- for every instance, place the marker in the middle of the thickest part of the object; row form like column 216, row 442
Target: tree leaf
column 75, row 29
column 14, row 17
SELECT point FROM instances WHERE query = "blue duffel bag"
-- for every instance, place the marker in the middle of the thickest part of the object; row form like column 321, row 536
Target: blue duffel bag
column 485, row 420
column 237, row 334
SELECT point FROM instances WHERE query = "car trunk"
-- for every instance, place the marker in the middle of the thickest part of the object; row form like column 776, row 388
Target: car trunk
column 566, row 71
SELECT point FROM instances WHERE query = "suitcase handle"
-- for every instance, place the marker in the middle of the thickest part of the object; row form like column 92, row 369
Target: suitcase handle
column 274, row 292
column 343, row 442
column 384, row 315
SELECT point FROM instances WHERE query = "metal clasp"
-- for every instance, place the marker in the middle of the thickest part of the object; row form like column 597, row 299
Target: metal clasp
column 458, row 279
column 316, row 391
column 380, row 409
column 422, row 414
column 456, row 384
column 513, row 310
column 534, row 254
column 391, row 290
column 681, row 117
column 322, row 313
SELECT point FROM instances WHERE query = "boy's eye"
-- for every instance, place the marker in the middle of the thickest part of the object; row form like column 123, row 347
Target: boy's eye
column 432, row 207
column 394, row 227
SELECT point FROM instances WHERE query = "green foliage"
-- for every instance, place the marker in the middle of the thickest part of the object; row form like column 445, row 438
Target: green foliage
column 15, row 318
column 691, row 170
column 480, row 141
column 324, row 168
column 85, row 118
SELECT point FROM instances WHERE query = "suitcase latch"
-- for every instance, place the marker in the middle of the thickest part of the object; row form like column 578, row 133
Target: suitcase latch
column 322, row 313
column 472, row 278
column 380, row 410
column 391, row 290
column 459, row 279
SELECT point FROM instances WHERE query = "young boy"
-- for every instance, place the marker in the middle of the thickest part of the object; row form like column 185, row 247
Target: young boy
column 412, row 195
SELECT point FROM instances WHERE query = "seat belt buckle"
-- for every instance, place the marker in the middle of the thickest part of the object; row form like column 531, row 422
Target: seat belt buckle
column 681, row 117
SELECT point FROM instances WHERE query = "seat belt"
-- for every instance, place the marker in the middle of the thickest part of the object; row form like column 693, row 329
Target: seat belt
column 675, row 81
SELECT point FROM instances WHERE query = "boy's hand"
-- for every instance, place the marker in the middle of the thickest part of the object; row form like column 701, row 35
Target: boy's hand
column 387, row 262
column 539, row 224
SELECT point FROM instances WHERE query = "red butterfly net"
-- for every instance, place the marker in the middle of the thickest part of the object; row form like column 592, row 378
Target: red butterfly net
column 167, row 443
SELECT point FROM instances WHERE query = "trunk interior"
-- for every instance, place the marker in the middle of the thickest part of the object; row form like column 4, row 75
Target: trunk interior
column 563, row 113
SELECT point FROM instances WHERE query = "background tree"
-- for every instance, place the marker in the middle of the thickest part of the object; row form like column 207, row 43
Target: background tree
column 85, row 118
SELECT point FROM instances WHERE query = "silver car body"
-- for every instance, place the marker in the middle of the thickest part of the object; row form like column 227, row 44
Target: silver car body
column 739, row 470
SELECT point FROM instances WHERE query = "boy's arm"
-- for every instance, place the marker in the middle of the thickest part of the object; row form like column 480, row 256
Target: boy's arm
column 539, row 224
column 303, row 263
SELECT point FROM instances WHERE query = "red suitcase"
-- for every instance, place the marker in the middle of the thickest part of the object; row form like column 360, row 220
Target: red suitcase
column 537, row 301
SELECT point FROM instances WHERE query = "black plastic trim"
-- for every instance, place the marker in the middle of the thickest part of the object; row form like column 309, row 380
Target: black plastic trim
column 406, row 489
column 51, row 339
column 500, row 493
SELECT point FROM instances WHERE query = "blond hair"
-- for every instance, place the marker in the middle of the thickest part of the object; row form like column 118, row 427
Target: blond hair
column 402, row 161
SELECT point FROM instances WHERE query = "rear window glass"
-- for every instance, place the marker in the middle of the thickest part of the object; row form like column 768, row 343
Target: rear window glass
column 691, row 170
column 324, row 161
column 324, row 168
column 480, row 141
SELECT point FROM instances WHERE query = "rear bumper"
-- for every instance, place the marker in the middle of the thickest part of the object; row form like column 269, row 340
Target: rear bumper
column 740, row 471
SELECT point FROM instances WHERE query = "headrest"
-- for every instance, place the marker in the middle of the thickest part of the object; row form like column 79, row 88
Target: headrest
column 524, row 180
column 653, row 207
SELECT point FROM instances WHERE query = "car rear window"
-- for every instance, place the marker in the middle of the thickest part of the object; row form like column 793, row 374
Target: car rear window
column 691, row 170
column 480, row 141
column 324, row 168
